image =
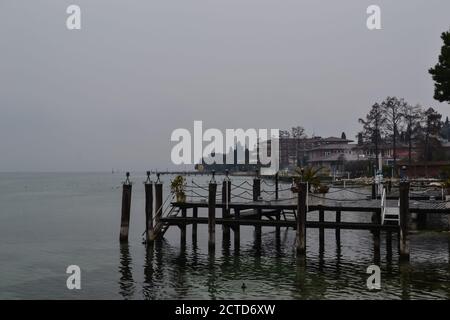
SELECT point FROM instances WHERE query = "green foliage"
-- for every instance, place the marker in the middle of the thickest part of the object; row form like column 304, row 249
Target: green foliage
column 312, row 177
column 177, row 187
column 430, row 144
column 441, row 71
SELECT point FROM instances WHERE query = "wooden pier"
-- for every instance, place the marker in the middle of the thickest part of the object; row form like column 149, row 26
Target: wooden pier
column 237, row 205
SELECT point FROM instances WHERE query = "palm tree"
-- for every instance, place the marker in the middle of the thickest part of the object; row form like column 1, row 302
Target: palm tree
column 309, row 175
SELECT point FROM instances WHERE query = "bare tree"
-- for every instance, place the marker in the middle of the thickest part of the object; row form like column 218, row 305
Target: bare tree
column 298, row 133
column 284, row 134
column 392, row 113
column 372, row 131
column 411, row 115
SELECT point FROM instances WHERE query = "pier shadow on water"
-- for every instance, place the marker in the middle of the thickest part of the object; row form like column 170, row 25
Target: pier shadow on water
column 270, row 269
column 126, row 282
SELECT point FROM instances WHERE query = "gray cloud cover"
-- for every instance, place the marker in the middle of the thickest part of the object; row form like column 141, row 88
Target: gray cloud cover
column 111, row 94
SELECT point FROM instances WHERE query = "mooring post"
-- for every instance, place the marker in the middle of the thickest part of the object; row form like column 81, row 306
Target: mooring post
column 237, row 230
column 389, row 243
column 377, row 234
column 321, row 230
column 158, row 199
column 404, row 220
column 256, row 186
column 226, row 193
column 278, row 228
column 374, row 190
column 149, row 236
column 276, row 186
column 256, row 195
column 212, row 213
column 194, row 225
column 301, row 219
column 183, row 227
column 338, row 229
column 389, row 185
column 421, row 220
column 126, row 206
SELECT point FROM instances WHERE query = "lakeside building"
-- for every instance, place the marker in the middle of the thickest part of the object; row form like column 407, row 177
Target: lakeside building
column 329, row 153
column 299, row 151
column 341, row 157
column 386, row 150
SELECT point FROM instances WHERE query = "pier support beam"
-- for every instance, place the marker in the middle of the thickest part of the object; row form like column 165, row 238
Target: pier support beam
column 277, row 228
column 149, row 236
column 377, row 235
column 126, row 206
column 421, row 220
column 389, row 245
column 256, row 195
column 321, row 230
column 404, row 220
column 226, row 193
column 194, row 226
column 301, row 219
column 276, row 186
column 374, row 190
column 237, row 231
column 183, row 228
column 158, row 200
column 212, row 189
column 338, row 230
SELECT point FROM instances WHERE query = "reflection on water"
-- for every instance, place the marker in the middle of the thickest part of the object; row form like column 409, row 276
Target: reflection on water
column 188, row 272
column 126, row 282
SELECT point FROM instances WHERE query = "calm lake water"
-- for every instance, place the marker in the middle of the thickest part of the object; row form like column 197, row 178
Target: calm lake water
column 52, row 220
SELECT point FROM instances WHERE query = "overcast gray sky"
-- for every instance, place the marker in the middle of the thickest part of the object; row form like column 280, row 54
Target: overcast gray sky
column 109, row 95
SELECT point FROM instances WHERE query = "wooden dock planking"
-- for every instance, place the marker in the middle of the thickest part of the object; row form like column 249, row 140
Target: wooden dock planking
column 280, row 223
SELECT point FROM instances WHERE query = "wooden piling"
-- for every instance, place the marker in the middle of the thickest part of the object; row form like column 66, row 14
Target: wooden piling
column 377, row 234
column 183, row 228
column 158, row 200
column 149, row 236
column 301, row 219
column 256, row 195
column 404, row 220
column 237, row 231
column 226, row 193
column 276, row 186
column 256, row 188
column 212, row 216
column 421, row 220
column 194, row 225
column 338, row 230
column 126, row 206
column 321, row 230
column 278, row 228
column 374, row 190
column 389, row 243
